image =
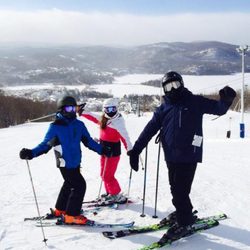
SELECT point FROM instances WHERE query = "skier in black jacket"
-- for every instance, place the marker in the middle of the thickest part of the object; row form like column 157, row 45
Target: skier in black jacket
column 179, row 119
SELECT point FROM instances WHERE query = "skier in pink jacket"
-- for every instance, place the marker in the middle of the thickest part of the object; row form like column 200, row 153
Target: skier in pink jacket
column 112, row 132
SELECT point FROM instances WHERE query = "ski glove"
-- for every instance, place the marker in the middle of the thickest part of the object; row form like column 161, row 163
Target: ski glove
column 26, row 154
column 106, row 151
column 80, row 108
column 227, row 94
column 133, row 159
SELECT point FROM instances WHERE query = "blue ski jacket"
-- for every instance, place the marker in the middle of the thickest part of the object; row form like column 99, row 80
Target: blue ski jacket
column 66, row 135
column 180, row 126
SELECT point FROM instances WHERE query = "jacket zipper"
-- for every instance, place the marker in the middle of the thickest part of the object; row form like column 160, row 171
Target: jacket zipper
column 180, row 119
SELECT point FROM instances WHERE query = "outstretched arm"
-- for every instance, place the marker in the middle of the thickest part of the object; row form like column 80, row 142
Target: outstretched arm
column 89, row 142
column 47, row 143
column 92, row 117
column 119, row 125
column 148, row 132
column 221, row 106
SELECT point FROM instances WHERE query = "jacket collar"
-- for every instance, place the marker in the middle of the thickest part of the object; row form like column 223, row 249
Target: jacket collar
column 60, row 119
column 183, row 95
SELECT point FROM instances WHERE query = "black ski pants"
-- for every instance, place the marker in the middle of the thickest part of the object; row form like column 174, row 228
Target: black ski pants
column 181, row 177
column 72, row 192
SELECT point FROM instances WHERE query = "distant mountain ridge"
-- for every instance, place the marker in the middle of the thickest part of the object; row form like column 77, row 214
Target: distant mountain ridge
column 99, row 64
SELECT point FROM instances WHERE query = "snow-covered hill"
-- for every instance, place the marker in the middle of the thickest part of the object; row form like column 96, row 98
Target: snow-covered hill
column 130, row 85
column 222, row 184
column 99, row 64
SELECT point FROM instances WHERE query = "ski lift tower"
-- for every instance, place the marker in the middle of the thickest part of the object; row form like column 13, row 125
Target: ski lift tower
column 242, row 50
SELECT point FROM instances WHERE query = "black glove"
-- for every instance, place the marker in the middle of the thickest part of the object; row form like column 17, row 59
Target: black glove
column 107, row 151
column 80, row 108
column 26, row 154
column 227, row 94
column 133, row 159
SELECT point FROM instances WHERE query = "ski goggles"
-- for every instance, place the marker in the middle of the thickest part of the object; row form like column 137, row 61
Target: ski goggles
column 69, row 109
column 110, row 109
column 174, row 84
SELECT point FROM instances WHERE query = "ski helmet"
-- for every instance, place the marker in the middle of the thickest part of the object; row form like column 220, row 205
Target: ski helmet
column 110, row 107
column 172, row 76
column 111, row 102
column 66, row 101
column 173, row 85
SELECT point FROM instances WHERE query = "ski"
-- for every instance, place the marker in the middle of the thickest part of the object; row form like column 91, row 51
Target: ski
column 92, row 201
column 196, row 228
column 104, row 203
column 99, row 202
column 163, row 224
column 95, row 210
column 90, row 223
column 92, row 210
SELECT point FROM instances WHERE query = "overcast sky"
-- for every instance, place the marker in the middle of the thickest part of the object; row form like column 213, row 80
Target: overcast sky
column 124, row 22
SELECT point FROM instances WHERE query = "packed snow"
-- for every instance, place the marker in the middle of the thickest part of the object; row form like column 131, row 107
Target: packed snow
column 221, row 184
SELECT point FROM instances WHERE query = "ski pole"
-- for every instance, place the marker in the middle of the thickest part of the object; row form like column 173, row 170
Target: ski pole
column 229, row 129
column 103, row 173
column 141, row 161
column 144, row 186
column 129, row 183
column 43, row 117
column 37, row 207
column 157, row 179
column 157, row 140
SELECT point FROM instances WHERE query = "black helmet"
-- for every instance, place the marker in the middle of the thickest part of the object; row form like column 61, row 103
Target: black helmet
column 66, row 101
column 170, row 77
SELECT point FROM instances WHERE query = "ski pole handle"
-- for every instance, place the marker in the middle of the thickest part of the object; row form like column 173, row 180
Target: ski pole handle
column 141, row 161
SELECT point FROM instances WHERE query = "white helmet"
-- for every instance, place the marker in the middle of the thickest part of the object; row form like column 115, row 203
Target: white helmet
column 111, row 102
column 110, row 107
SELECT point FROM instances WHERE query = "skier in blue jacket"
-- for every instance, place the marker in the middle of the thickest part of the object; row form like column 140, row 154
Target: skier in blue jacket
column 179, row 120
column 65, row 134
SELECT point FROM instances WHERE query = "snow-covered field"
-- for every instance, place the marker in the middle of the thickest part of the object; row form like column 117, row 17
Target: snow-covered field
column 222, row 184
column 197, row 84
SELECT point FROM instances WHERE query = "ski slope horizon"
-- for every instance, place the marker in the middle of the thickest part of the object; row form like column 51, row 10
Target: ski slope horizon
column 221, row 184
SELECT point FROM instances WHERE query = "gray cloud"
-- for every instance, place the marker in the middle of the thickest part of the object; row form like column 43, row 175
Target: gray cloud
column 56, row 26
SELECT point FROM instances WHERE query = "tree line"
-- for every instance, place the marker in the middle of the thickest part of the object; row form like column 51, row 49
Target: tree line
column 18, row 110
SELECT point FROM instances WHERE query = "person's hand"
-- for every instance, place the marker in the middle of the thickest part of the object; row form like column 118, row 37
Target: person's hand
column 80, row 108
column 227, row 94
column 26, row 154
column 133, row 159
column 129, row 152
column 107, row 151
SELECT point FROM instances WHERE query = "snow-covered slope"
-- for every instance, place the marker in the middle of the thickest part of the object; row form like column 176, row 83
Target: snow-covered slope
column 222, row 184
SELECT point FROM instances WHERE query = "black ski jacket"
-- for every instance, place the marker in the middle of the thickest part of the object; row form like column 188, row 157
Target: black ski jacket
column 180, row 126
